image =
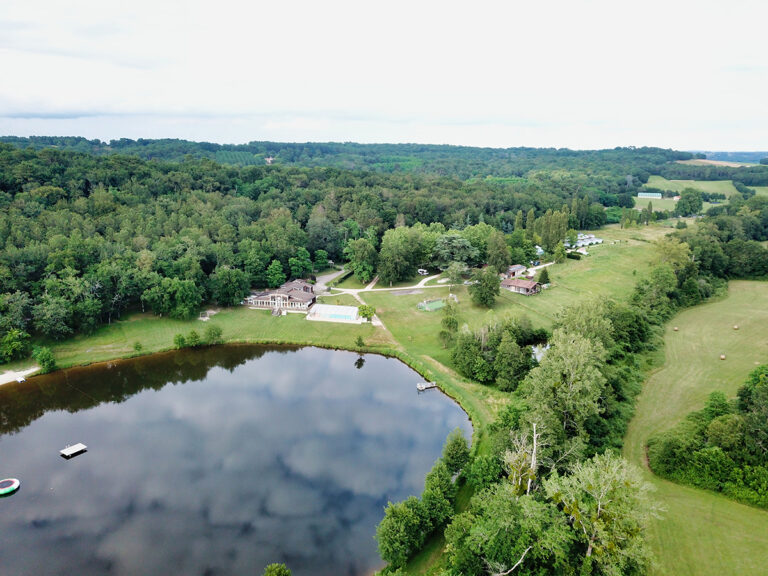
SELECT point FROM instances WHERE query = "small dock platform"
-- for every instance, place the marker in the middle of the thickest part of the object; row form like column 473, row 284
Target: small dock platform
column 422, row 386
column 72, row 451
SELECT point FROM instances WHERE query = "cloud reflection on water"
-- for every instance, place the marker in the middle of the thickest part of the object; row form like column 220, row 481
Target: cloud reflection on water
column 286, row 457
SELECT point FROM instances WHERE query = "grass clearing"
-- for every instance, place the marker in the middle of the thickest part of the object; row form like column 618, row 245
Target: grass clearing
column 760, row 190
column 350, row 282
column 711, row 186
column 239, row 324
column 702, row 532
column 339, row 299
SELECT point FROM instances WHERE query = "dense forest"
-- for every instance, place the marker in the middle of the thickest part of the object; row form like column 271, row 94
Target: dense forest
column 85, row 237
column 461, row 162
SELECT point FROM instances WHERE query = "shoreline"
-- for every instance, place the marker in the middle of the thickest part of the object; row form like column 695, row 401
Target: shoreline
column 12, row 375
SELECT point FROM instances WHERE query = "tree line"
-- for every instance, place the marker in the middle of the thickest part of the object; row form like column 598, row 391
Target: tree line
column 723, row 447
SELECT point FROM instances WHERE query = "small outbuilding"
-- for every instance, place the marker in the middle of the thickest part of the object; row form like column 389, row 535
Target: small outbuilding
column 520, row 286
column 515, row 271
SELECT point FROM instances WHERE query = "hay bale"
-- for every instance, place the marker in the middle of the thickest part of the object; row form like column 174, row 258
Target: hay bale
column 735, row 326
column 722, row 356
column 675, row 328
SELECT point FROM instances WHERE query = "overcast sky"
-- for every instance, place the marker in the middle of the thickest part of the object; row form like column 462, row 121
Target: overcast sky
column 564, row 73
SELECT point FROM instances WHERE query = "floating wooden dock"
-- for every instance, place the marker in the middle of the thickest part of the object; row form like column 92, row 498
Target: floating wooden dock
column 72, row 451
column 421, row 386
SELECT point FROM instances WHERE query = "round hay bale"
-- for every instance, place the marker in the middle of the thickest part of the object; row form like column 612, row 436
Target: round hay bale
column 675, row 328
column 722, row 356
column 735, row 326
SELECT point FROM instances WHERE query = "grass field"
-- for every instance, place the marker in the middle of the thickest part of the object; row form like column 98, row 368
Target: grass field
column 667, row 204
column 238, row 324
column 704, row 533
column 719, row 186
column 350, row 282
column 610, row 270
column 761, row 190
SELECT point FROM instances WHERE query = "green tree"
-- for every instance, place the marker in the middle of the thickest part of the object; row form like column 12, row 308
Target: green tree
column 321, row 260
column 455, row 272
column 366, row 311
column 45, row 358
column 401, row 531
column 456, row 451
column 499, row 256
column 503, row 532
column 485, row 287
column 13, row 345
column 275, row 274
column 179, row 341
column 300, row 264
column 511, row 363
column 559, row 252
column 453, row 247
column 690, row 202
column 608, row 508
column 229, row 285
column 544, row 276
column 276, row 570
column 362, row 258
column 565, row 391
column 53, row 317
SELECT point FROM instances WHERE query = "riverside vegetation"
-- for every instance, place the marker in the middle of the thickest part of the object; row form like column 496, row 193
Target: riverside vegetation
column 87, row 239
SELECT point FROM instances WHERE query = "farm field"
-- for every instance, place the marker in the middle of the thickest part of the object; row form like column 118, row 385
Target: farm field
column 761, row 190
column 712, row 186
column 701, row 532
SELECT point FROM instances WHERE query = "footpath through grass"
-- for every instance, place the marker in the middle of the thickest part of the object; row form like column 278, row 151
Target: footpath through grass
column 704, row 533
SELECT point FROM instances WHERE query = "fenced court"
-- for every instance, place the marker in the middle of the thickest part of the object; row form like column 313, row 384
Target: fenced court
column 434, row 304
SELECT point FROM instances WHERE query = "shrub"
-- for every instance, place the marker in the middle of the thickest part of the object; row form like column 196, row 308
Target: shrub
column 45, row 358
column 212, row 334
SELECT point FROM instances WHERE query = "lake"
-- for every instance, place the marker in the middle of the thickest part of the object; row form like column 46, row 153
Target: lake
column 214, row 461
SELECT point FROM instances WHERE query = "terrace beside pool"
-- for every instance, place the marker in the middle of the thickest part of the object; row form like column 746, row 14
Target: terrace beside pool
column 334, row 313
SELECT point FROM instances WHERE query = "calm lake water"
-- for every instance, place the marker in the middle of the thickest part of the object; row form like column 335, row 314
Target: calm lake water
column 213, row 462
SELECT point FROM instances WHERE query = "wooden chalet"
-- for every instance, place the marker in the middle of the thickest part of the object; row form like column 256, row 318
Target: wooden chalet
column 520, row 286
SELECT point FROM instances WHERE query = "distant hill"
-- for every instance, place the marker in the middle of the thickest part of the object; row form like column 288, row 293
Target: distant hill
column 749, row 157
column 463, row 162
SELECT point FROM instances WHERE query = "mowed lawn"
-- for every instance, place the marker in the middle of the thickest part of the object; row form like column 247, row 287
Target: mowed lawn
column 701, row 532
column 610, row 270
column 239, row 324
column 712, row 186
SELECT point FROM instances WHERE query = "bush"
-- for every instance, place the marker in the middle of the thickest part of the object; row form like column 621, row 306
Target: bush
column 179, row 341
column 45, row 358
column 212, row 334
column 193, row 339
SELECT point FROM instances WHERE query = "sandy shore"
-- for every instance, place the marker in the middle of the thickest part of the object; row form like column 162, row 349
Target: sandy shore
column 11, row 376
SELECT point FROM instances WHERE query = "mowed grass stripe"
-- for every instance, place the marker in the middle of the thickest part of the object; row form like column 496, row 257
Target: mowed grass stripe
column 701, row 532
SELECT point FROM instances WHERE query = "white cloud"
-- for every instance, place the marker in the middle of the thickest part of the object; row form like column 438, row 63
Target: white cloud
column 594, row 73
